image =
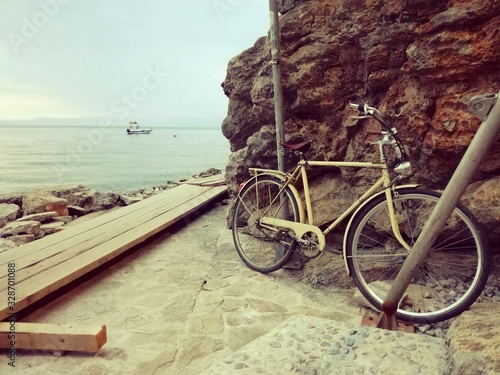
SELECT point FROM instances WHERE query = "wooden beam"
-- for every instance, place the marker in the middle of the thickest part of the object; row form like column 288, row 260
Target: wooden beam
column 40, row 336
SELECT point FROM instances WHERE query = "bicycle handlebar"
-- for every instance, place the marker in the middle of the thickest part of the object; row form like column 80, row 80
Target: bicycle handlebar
column 375, row 113
column 364, row 108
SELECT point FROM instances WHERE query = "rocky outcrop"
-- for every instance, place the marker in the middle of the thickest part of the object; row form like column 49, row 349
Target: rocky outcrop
column 8, row 212
column 41, row 217
column 25, row 229
column 22, row 227
column 38, row 213
column 473, row 341
column 90, row 200
column 483, row 198
column 6, row 244
column 53, row 227
column 419, row 62
column 11, row 198
column 43, row 201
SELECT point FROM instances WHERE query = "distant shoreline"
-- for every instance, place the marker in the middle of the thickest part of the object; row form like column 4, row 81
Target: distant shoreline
column 204, row 122
column 120, row 127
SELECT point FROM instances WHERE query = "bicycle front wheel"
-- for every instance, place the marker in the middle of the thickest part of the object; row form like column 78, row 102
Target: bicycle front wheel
column 450, row 278
column 262, row 249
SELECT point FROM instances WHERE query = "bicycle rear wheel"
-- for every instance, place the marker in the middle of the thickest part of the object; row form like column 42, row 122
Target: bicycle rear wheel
column 450, row 278
column 262, row 249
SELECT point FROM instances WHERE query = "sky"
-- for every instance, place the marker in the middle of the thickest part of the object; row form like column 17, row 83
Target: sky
column 121, row 59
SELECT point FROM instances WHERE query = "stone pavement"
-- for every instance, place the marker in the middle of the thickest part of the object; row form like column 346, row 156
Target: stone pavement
column 185, row 304
column 310, row 345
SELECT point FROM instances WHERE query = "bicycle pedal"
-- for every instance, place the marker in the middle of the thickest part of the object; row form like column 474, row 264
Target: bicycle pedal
column 296, row 262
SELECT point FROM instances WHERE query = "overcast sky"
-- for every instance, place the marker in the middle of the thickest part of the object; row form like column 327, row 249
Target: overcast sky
column 121, row 58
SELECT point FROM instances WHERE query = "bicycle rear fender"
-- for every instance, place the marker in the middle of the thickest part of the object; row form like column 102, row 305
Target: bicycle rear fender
column 255, row 172
column 355, row 214
column 259, row 172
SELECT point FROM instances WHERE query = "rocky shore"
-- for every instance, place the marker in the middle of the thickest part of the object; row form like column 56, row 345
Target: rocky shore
column 29, row 216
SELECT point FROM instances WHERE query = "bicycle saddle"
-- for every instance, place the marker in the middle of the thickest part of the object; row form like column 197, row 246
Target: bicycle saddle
column 302, row 146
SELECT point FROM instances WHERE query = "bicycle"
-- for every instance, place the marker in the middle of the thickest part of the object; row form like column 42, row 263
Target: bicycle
column 270, row 223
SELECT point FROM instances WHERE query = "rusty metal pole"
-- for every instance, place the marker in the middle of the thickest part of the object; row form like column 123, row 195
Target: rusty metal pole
column 274, row 34
column 478, row 148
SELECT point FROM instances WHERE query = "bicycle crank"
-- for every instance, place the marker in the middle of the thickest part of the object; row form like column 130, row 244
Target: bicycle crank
column 308, row 245
column 299, row 229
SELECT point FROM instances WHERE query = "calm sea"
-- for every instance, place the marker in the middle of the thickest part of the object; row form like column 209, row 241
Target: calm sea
column 105, row 158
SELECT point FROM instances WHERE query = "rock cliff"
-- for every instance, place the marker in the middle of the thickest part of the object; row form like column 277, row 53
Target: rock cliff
column 418, row 61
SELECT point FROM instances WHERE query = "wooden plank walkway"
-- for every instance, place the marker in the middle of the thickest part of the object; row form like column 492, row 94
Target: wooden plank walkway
column 38, row 268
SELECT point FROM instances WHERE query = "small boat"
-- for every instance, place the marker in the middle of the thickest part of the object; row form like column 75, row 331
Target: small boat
column 134, row 128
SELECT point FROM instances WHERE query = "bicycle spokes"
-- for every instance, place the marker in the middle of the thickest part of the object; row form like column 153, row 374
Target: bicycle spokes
column 449, row 278
column 264, row 248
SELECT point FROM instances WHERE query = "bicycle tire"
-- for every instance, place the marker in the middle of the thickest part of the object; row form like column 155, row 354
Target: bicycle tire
column 261, row 249
column 450, row 278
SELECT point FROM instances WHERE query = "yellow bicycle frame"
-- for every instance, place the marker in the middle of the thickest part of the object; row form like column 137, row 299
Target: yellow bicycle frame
column 289, row 179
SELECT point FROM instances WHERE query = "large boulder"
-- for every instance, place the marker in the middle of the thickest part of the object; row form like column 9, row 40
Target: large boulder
column 50, row 228
column 43, row 201
column 21, row 227
column 483, row 198
column 419, row 62
column 15, row 198
column 89, row 199
column 8, row 212
column 21, row 239
column 41, row 217
column 6, row 244
column 473, row 341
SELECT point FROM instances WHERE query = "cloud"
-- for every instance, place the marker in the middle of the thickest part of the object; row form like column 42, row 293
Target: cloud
column 77, row 57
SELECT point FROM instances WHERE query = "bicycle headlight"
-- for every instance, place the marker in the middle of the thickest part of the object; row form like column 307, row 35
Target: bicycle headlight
column 403, row 168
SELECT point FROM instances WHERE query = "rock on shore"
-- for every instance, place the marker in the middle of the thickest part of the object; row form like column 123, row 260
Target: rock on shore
column 34, row 214
column 30, row 216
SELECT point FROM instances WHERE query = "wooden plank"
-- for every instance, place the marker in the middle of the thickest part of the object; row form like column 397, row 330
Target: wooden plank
column 215, row 180
column 36, row 280
column 87, row 241
column 123, row 213
column 39, row 336
column 82, row 240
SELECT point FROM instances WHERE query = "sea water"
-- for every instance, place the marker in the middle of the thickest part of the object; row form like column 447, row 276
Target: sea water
column 105, row 158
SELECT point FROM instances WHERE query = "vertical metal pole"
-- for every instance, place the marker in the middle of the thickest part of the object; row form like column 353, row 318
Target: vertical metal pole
column 480, row 145
column 278, row 90
column 295, row 261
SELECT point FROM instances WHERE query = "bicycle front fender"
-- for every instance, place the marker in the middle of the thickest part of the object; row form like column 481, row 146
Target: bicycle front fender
column 355, row 214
